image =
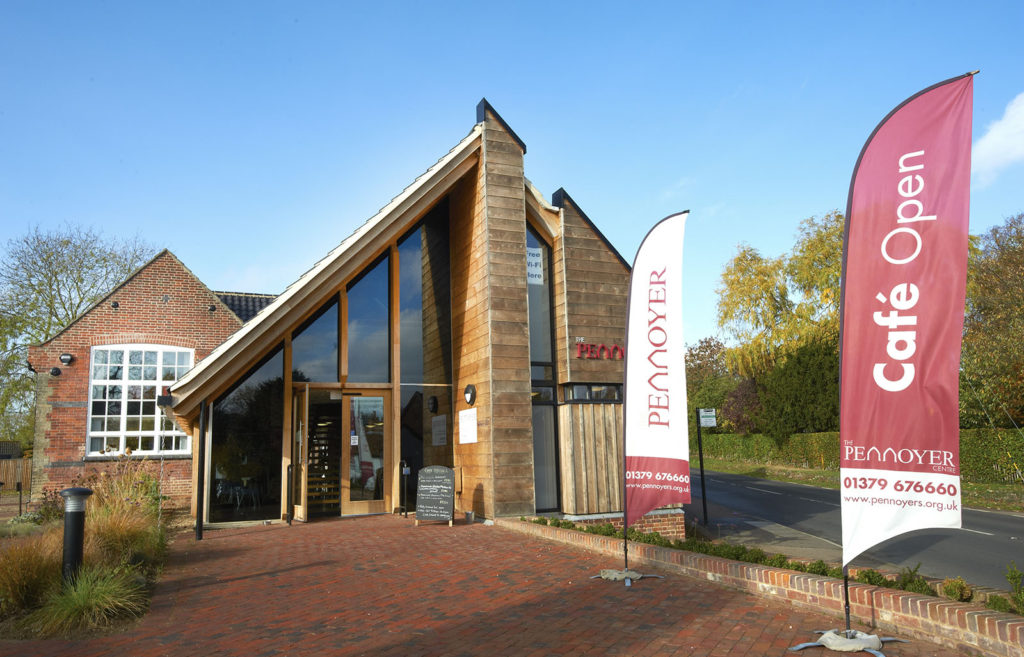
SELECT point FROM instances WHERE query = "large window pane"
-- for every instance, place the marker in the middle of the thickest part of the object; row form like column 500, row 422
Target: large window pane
column 245, row 451
column 538, row 279
column 315, row 347
column 425, row 301
column 367, row 330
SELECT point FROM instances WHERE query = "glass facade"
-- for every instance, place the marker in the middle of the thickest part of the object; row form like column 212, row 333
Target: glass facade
column 245, row 446
column 315, row 346
column 545, row 434
column 425, row 301
column 426, row 351
column 368, row 329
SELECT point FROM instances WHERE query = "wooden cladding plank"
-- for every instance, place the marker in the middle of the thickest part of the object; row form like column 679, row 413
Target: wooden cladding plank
column 591, row 453
column 567, row 471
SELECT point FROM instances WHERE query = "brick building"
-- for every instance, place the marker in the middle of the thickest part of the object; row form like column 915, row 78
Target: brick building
column 97, row 380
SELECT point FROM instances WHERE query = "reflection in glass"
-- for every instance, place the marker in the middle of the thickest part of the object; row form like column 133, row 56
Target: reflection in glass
column 426, row 435
column 367, row 330
column 539, row 292
column 366, row 449
column 315, row 346
column 425, row 300
column 245, row 447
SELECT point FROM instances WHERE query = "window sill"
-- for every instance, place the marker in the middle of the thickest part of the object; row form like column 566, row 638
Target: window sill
column 138, row 457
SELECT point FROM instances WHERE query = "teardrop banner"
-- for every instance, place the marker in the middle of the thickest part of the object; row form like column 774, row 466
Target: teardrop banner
column 902, row 312
column 657, row 446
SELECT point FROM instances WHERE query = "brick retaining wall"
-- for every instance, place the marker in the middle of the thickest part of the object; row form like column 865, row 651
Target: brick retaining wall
column 965, row 627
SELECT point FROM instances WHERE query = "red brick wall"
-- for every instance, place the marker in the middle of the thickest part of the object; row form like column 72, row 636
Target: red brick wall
column 670, row 525
column 163, row 303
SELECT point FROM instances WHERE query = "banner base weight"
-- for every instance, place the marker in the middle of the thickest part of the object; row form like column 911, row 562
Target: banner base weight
column 848, row 641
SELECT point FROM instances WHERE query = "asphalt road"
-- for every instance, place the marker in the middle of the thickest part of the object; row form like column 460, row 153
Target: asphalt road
column 979, row 552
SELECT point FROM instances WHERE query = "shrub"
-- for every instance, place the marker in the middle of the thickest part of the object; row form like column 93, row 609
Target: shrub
column 872, row 577
column 998, row 603
column 955, row 588
column 603, row 529
column 51, row 508
column 780, row 561
column 1016, row 579
column 97, row 597
column 755, row 555
column 818, row 567
column 541, row 520
column 910, row 580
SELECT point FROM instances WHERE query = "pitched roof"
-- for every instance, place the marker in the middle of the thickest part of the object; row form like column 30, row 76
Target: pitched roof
column 245, row 305
column 291, row 303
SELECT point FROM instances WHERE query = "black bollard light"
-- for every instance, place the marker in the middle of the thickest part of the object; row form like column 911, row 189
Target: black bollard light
column 74, row 531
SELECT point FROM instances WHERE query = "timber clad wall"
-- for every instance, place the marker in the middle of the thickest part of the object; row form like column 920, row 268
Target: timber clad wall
column 143, row 316
column 511, row 410
column 591, row 458
column 596, row 292
column 470, row 352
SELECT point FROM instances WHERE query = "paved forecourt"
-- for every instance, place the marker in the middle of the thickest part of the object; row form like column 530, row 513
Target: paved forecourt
column 381, row 586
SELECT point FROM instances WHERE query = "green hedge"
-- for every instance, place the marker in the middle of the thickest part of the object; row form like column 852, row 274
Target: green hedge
column 986, row 455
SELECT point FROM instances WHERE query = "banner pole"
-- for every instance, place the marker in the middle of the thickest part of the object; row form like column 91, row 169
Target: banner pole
column 700, row 455
column 846, row 596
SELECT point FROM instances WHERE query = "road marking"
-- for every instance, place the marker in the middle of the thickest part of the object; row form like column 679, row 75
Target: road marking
column 811, row 499
column 975, row 531
column 764, row 491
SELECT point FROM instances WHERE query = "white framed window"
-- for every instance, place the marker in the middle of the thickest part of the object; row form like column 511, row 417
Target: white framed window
column 124, row 384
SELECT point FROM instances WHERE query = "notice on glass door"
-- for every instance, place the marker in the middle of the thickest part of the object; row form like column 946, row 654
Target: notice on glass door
column 467, row 426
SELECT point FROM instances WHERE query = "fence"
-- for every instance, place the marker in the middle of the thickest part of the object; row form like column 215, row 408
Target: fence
column 14, row 470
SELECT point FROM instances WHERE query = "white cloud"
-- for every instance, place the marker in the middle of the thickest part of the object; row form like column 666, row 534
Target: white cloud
column 1001, row 146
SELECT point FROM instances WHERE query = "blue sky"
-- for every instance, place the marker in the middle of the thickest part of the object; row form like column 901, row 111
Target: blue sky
column 252, row 137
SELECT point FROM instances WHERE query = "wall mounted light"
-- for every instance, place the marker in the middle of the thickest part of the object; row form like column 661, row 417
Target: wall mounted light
column 432, row 404
column 470, row 394
column 66, row 359
column 54, row 371
column 115, row 305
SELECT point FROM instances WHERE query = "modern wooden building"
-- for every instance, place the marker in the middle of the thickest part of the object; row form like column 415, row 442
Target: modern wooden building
column 470, row 323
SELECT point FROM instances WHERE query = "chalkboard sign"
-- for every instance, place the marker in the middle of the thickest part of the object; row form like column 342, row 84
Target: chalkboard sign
column 435, row 494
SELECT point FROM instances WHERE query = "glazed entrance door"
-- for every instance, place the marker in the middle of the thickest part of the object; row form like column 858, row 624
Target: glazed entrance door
column 368, row 459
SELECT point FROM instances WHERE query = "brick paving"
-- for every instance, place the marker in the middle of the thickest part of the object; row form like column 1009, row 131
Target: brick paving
column 381, row 586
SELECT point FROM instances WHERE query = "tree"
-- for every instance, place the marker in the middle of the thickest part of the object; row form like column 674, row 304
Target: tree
column 708, row 381
column 992, row 362
column 48, row 279
column 801, row 393
column 772, row 305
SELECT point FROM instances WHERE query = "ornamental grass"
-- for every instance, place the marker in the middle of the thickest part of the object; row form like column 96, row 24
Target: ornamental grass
column 125, row 546
column 96, row 598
